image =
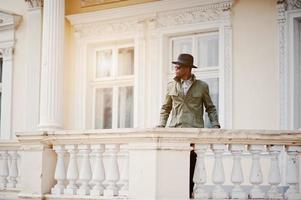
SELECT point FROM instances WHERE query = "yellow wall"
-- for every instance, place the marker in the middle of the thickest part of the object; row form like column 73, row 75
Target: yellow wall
column 255, row 70
column 73, row 6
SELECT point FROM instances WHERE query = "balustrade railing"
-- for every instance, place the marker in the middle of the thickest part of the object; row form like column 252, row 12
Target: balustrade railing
column 253, row 188
column 153, row 164
column 92, row 170
column 9, row 168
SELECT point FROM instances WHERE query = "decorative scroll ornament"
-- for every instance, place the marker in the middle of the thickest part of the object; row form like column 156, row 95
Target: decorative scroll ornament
column 194, row 15
column 293, row 4
column 34, row 3
column 100, row 28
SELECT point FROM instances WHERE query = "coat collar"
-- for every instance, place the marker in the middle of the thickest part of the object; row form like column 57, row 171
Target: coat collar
column 179, row 80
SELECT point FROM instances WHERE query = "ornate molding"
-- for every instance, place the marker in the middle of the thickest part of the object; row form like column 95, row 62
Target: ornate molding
column 293, row 4
column 86, row 3
column 102, row 29
column 204, row 13
column 34, row 3
column 7, row 53
column 284, row 6
column 9, row 20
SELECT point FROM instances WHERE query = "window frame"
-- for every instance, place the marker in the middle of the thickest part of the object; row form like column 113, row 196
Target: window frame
column 114, row 81
column 224, row 30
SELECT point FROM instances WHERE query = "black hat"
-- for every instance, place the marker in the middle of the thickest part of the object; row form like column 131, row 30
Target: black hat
column 185, row 59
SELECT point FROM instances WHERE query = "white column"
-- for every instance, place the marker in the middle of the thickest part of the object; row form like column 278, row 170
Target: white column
column 52, row 65
column 237, row 176
column 6, row 94
column 98, row 171
column 3, row 170
column 124, row 176
column 72, row 170
column 85, row 174
column 33, row 63
column 60, row 172
column 13, row 170
column 256, row 173
column 293, row 173
column 218, row 175
column 200, row 173
column 274, row 173
column 112, row 171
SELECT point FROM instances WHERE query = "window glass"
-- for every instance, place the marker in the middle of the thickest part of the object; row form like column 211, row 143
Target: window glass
column 125, row 61
column 103, row 108
column 103, row 63
column 126, row 107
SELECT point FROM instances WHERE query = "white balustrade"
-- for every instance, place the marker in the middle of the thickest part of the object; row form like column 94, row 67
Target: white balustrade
column 292, row 178
column 99, row 171
column 124, row 176
column 274, row 172
column 112, row 171
column 13, row 170
column 256, row 172
column 60, row 172
column 200, row 173
column 4, row 172
column 72, row 170
column 218, row 175
column 237, row 177
column 85, row 174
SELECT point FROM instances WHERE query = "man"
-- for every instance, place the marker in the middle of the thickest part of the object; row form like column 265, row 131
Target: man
column 186, row 97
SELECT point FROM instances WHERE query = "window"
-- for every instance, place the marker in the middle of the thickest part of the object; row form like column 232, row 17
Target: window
column 113, row 87
column 205, row 49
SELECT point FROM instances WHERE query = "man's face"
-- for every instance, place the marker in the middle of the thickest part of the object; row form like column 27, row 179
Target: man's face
column 181, row 70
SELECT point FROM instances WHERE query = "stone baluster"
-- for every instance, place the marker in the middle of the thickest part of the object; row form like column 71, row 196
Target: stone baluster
column 112, row 171
column 218, row 175
column 60, row 172
column 256, row 173
column 13, row 170
column 98, row 171
column 274, row 173
column 124, row 176
column 200, row 173
column 85, row 174
column 72, row 170
column 4, row 170
column 237, row 177
column 292, row 178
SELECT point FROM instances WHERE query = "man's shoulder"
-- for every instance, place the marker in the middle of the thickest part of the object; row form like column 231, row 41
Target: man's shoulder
column 171, row 83
column 201, row 83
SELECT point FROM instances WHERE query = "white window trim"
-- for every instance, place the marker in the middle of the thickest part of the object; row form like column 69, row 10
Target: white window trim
column 8, row 27
column 113, row 82
column 224, row 30
column 286, row 53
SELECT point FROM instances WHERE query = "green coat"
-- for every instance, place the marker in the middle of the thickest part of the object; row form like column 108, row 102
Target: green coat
column 187, row 111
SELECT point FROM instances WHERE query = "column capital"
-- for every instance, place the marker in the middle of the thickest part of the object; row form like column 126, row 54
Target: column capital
column 34, row 4
column 7, row 53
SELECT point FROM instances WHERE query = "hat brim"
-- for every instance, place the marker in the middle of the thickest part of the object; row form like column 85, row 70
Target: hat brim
column 179, row 63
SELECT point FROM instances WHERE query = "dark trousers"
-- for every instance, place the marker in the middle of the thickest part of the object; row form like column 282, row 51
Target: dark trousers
column 192, row 166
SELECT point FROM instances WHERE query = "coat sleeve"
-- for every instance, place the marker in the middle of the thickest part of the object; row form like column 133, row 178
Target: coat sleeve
column 166, row 108
column 210, row 108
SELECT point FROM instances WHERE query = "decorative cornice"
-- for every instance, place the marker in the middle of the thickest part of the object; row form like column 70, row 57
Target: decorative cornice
column 32, row 4
column 9, row 20
column 293, row 4
column 205, row 13
column 101, row 28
